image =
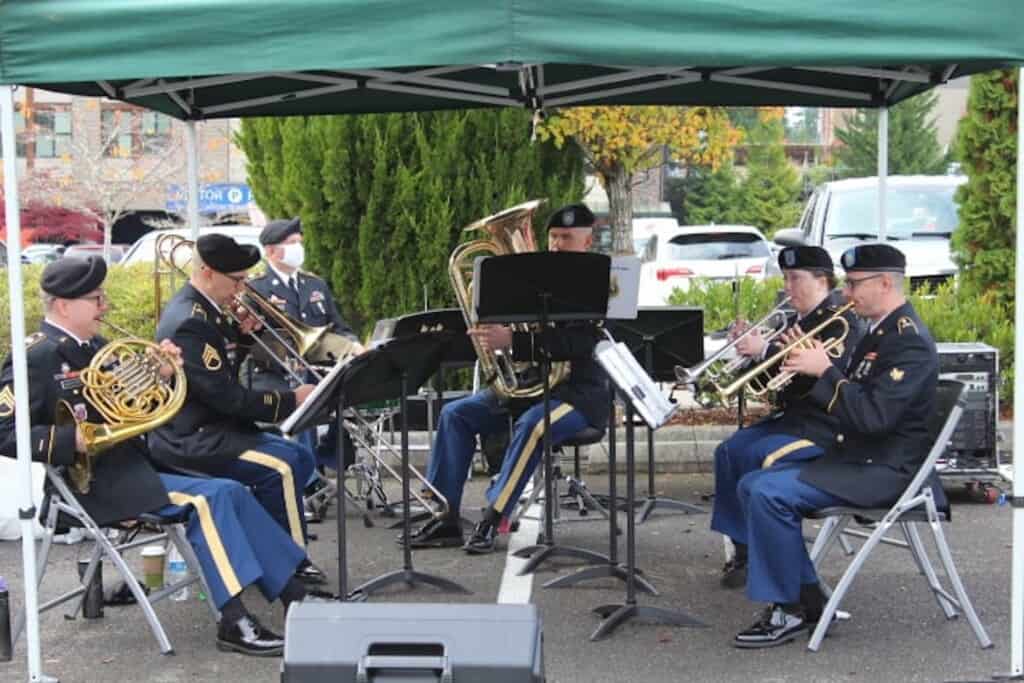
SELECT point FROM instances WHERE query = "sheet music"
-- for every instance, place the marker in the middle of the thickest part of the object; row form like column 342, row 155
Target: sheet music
column 625, row 287
column 312, row 402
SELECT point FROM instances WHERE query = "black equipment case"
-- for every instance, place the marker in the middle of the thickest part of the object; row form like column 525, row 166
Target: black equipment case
column 342, row 642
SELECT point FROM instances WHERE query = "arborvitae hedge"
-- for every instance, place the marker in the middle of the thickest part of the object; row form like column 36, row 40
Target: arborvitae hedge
column 383, row 198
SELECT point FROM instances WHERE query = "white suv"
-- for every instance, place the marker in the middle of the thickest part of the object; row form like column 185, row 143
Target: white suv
column 920, row 218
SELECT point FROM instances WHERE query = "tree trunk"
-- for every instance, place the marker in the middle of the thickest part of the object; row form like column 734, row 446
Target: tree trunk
column 619, row 186
column 108, row 231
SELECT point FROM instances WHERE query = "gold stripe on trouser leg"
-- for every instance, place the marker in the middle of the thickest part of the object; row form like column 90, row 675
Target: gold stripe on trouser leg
column 213, row 542
column 524, row 455
column 784, row 451
column 291, row 506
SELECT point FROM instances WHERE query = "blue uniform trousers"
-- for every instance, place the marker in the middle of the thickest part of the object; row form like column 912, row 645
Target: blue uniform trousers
column 774, row 502
column 455, row 443
column 236, row 541
column 276, row 470
column 752, row 448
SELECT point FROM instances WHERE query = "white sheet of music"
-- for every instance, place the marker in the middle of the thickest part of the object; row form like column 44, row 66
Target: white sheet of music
column 321, row 387
column 625, row 287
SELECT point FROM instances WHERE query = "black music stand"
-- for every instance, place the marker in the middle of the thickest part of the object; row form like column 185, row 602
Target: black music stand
column 612, row 568
column 661, row 338
column 615, row 615
column 542, row 287
column 387, row 371
column 458, row 353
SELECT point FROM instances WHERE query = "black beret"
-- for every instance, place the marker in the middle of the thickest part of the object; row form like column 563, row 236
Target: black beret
column 278, row 231
column 225, row 255
column 572, row 216
column 805, row 258
column 874, row 257
column 70, row 278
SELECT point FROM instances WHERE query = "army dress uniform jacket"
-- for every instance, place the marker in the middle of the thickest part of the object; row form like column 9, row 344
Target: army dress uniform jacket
column 218, row 421
column 586, row 388
column 795, row 413
column 884, row 404
column 125, row 483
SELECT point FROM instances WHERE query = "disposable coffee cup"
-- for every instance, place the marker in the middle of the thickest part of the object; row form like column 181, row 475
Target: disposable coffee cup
column 153, row 565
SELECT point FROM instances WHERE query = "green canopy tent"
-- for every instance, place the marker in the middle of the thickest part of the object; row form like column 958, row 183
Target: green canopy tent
column 202, row 59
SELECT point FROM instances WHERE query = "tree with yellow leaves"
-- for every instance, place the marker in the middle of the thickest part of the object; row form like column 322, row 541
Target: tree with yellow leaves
column 621, row 142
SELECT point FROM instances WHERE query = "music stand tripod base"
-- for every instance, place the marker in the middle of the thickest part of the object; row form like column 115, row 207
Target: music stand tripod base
column 616, row 615
column 604, row 571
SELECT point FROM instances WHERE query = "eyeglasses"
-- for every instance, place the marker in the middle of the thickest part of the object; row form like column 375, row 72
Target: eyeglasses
column 853, row 283
column 237, row 279
column 97, row 299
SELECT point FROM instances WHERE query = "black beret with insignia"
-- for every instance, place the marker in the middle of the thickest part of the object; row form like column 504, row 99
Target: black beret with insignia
column 225, row 255
column 805, row 258
column 70, row 278
column 572, row 216
column 874, row 257
column 278, row 231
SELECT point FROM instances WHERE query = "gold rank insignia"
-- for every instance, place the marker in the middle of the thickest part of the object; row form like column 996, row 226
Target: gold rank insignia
column 6, row 402
column 897, row 374
column 211, row 359
column 198, row 311
column 268, row 399
column 906, row 323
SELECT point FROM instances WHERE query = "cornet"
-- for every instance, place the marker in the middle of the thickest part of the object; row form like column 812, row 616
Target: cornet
column 724, row 364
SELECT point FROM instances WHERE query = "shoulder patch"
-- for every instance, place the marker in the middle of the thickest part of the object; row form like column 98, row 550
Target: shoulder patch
column 198, row 311
column 6, row 402
column 906, row 323
column 34, row 339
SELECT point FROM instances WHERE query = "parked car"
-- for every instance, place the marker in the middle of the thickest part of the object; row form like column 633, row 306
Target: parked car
column 41, row 253
column 921, row 215
column 117, row 251
column 144, row 249
column 674, row 258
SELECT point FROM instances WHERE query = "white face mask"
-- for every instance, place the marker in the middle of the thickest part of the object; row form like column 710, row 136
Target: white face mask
column 294, row 254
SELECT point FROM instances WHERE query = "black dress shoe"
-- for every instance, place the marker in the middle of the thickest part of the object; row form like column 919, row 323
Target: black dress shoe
column 483, row 540
column 734, row 573
column 437, row 533
column 250, row 637
column 309, row 574
column 775, row 627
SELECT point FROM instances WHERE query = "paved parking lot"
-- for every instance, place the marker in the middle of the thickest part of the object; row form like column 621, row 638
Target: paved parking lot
column 897, row 632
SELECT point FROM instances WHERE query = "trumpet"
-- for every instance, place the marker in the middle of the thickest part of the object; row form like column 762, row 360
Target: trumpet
column 762, row 378
column 723, row 364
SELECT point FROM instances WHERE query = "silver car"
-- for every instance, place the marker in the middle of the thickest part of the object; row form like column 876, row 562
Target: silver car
column 921, row 215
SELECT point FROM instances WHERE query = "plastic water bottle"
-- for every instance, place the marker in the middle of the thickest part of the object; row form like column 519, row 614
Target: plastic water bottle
column 177, row 571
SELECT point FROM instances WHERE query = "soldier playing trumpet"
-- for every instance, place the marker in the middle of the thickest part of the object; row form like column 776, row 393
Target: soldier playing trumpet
column 797, row 429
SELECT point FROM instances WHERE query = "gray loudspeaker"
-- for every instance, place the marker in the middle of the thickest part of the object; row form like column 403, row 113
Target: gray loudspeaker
column 340, row 642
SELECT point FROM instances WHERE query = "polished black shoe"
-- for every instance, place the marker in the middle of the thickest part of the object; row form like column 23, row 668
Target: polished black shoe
column 437, row 533
column 775, row 627
column 250, row 637
column 483, row 540
column 734, row 573
column 309, row 574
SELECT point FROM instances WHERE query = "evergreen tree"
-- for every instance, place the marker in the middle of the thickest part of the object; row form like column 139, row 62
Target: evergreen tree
column 913, row 141
column 986, row 144
column 770, row 193
column 383, row 198
column 716, row 199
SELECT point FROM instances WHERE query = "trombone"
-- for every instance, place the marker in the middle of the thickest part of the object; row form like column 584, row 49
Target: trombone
column 761, row 379
column 723, row 364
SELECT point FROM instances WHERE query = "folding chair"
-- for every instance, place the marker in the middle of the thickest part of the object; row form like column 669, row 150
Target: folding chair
column 63, row 501
column 915, row 506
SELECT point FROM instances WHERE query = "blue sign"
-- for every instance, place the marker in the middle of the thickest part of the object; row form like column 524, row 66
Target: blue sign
column 213, row 198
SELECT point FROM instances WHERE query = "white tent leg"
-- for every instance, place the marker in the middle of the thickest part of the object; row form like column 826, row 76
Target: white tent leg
column 26, row 510
column 192, row 156
column 1017, row 574
column 883, row 168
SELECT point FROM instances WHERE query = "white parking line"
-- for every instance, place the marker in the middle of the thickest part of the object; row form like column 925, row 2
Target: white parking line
column 516, row 589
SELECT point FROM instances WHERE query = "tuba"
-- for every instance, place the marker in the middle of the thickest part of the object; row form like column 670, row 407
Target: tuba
column 508, row 232
column 123, row 384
